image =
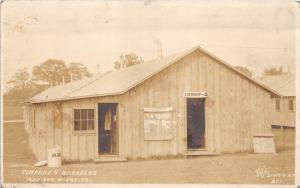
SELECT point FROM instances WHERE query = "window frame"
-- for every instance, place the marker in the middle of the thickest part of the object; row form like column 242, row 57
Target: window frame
column 87, row 131
column 277, row 107
column 291, row 105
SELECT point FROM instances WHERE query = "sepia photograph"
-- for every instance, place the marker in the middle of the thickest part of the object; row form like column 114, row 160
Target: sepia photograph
column 148, row 92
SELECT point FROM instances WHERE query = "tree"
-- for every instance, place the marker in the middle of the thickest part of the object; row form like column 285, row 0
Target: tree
column 78, row 71
column 21, row 79
column 22, row 86
column 244, row 70
column 53, row 71
column 273, row 71
column 127, row 60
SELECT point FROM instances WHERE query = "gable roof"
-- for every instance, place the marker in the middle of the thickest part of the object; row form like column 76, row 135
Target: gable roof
column 120, row 81
column 284, row 84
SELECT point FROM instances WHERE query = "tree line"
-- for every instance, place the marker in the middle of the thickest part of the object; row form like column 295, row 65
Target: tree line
column 56, row 72
column 52, row 72
column 24, row 84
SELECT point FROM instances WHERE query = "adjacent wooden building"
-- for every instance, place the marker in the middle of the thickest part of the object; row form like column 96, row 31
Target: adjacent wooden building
column 284, row 109
column 190, row 103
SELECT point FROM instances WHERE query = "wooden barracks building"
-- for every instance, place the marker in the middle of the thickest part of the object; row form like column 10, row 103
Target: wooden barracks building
column 284, row 110
column 190, row 103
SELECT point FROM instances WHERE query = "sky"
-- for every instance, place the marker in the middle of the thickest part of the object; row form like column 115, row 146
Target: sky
column 246, row 33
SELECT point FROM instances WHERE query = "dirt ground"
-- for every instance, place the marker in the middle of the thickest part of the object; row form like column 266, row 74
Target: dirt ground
column 224, row 169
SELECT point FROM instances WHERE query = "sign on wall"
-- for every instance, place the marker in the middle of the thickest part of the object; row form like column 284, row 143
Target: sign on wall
column 201, row 94
column 158, row 124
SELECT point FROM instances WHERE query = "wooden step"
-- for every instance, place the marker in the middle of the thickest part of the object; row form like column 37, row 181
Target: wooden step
column 199, row 152
column 109, row 158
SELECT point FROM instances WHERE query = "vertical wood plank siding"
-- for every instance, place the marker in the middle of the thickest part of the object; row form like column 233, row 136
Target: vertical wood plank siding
column 284, row 116
column 235, row 110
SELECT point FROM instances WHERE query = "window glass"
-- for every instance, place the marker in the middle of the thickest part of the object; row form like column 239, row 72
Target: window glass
column 83, row 114
column 90, row 114
column 83, row 119
column 83, row 125
column 90, row 124
column 76, row 114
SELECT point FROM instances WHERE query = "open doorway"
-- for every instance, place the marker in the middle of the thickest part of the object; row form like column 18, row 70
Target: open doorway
column 107, row 128
column 195, row 123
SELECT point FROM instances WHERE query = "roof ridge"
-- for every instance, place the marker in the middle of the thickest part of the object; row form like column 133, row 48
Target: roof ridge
column 134, row 66
column 152, row 68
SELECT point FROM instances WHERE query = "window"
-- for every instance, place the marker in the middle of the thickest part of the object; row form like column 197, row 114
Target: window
column 83, row 119
column 277, row 104
column 291, row 105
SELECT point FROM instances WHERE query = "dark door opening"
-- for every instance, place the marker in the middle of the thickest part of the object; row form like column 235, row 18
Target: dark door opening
column 107, row 128
column 195, row 123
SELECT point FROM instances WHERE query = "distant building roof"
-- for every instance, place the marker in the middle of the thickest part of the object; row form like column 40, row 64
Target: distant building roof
column 120, row 81
column 284, row 84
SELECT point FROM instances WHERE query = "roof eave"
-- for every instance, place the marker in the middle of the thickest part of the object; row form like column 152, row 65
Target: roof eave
column 162, row 68
column 74, row 98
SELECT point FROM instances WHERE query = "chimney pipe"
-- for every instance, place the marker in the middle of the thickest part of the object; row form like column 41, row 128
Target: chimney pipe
column 159, row 49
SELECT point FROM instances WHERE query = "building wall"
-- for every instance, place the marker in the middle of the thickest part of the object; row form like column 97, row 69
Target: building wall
column 40, row 128
column 284, row 137
column 54, row 126
column 81, row 146
column 284, row 116
column 235, row 110
column 45, row 128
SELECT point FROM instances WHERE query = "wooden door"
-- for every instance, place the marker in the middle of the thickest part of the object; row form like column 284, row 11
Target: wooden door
column 195, row 123
column 107, row 128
